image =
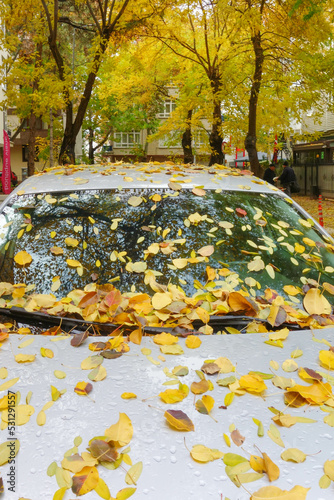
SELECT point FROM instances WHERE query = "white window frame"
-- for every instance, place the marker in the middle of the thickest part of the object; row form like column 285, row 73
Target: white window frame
column 200, row 138
column 167, row 108
column 163, row 145
column 125, row 141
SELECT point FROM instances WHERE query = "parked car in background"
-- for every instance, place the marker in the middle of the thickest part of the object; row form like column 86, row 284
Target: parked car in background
column 122, row 252
column 13, row 178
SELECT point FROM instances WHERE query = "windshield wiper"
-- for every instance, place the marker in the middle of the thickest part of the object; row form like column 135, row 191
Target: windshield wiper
column 36, row 318
column 241, row 321
column 39, row 319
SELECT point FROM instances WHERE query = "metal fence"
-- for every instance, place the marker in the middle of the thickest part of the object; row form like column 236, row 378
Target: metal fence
column 315, row 179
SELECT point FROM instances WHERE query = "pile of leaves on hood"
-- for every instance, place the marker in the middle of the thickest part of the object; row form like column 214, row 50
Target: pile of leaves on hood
column 170, row 307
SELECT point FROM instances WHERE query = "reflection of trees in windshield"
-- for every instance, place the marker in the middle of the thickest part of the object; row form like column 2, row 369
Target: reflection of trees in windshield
column 104, row 226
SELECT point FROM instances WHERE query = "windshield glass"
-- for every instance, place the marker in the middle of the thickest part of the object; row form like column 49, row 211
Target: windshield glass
column 215, row 239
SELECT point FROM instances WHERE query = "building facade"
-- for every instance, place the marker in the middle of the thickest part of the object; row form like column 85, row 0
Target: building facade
column 313, row 161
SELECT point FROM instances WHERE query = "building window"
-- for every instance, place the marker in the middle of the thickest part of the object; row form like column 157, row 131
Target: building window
column 168, row 141
column 166, row 109
column 200, row 138
column 38, row 125
column 126, row 139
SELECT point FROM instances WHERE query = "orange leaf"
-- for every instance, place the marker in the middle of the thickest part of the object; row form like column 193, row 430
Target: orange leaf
column 136, row 336
column 85, row 480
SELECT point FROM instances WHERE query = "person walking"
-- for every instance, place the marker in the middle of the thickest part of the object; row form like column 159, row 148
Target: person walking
column 287, row 178
column 269, row 174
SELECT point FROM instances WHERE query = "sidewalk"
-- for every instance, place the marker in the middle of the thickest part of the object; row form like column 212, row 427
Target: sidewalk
column 311, row 205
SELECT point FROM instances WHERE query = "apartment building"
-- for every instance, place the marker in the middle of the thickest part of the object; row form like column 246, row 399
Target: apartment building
column 130, row 146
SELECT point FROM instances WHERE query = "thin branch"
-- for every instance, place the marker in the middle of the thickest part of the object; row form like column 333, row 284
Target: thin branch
column 97, row 24
column 111, row 11
column 100, row 144
column 82, row 27
column 18, row 130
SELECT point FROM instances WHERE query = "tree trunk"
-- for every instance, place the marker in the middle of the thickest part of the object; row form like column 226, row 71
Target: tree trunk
column 90, row 146
column 250, row 141
column 187, row 140
column 215, row 139
column 67, row 149
column 32, row 144
column 32, row 120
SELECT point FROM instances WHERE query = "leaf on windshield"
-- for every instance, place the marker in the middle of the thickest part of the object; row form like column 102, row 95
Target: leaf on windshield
column 206, row 251
column 238, row 302
column 135, row 201
column 275, row 435
column 23, row 258
column 180, row 263
column 315, row 303
column 161, row 300
column 198, row 192
column 256, row 265
column 291, row 290
column 240, row 212
column 71, row 242
column 73, row 263
column 56, row 251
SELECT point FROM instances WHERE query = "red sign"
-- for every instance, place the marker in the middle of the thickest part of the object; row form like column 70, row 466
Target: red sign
column 6, row 172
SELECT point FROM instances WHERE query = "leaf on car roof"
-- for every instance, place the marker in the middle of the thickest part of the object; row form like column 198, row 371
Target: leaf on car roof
column 83, row 388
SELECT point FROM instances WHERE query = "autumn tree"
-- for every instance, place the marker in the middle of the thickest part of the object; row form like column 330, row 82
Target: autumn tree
column 202, row 33
column 106, row 22
column 278, row 42
column 27, row 71
column 133, row 86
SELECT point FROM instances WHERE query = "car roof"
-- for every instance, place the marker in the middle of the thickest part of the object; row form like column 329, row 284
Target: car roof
column 144, row 175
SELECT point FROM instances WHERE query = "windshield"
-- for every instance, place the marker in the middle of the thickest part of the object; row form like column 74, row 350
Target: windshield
column 215, row 239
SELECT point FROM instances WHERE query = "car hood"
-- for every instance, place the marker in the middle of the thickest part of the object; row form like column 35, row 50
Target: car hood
column 128, row 394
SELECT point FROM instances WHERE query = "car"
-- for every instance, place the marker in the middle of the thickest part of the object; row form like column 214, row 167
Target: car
column 13, row 178
column 125, row 272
